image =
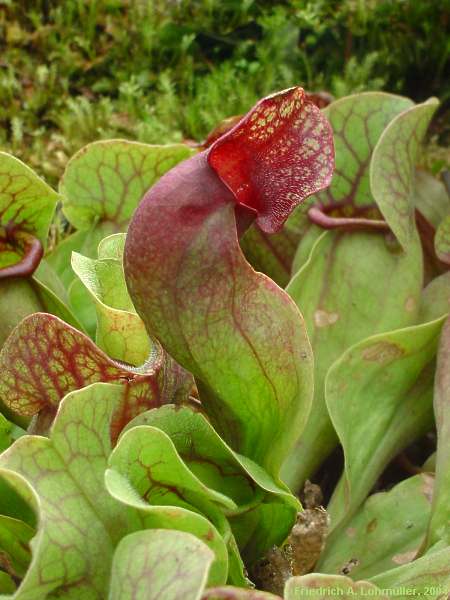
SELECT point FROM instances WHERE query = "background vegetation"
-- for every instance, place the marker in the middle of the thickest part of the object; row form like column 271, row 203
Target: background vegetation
column 73, row 71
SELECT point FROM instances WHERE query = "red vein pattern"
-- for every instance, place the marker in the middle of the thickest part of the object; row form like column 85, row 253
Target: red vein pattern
column 280, row 153
column 44, row 359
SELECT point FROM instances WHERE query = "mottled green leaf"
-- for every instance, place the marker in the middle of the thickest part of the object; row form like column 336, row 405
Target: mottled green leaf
column 440, row 520
column 120, row 331
column 148, row 459
column 145, row 516
column 79, row 524
column 392, row 168
column 387, row 531
column 159, row 565
column 427, row 576
column 45, row 358
column 233, row 328
column 265, row 511
column 442, row 240
column 358, row 122
column 379, row 396
column 25, row 199
column 105, row 180
column 321, row 586
column 341, row 292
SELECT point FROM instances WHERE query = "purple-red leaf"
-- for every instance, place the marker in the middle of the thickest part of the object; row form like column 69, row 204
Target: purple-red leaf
column 239, row 334
column 280, row 153
column 44, row 359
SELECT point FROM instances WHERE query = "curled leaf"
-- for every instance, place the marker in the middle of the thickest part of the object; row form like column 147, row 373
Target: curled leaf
column 104, row 181
column 120, row 332
column 280, row 153
column 379, row 395
column 44, row 359
column 393, row 164
column 138, row 573
column 234, row 329
column 342, row 303
column 26, row 201
column 264, row 512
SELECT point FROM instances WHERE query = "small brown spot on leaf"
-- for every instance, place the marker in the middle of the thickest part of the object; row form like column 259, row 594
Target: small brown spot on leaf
column 410, row 304
column 427, row 486
column 382, row 352
column 322, row 318
column 406, row 557
column 351, row 532
column 371, row 526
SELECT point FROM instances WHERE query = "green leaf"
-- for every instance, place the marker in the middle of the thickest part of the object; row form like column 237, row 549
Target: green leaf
column 59, row 257
column 209, row 457
column 83, row 307
column 393, row 167
column 428, row 576
column 25, row 199
column 358, row 122
column 159, row 565
column 120, row 331
column 387, row 531
column 435, row 299
column 430, row 197
column 105, row 180
column 15, row 537
column 80, row 523
column 442, row 240
column 341, row 292
column 7, row 585
column 112, row 247
column 439, row 528
column 379, row 396
column 234, row 329
column 142, row 515
column 45, row 358
column 321, row 586
column 264, row 513
column 148, row 459
column 5, row 433
column 18, row 299
column 14, row 506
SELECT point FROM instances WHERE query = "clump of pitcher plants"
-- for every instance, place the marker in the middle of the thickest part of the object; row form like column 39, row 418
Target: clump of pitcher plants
column 233, row 374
